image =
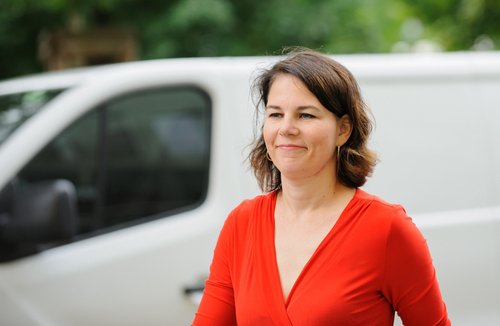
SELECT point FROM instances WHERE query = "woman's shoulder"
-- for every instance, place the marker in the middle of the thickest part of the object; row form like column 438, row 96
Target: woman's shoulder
column 390, row 219
column 378, row 207
column 257, row 202
column 248, row 209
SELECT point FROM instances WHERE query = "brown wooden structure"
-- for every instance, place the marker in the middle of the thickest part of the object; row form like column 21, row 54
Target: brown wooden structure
column 64, row 49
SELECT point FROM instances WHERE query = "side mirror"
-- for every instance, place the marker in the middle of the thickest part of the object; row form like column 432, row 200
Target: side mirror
column 38, row 213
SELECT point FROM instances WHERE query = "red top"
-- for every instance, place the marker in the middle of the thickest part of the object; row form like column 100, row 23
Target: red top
column 374, row 261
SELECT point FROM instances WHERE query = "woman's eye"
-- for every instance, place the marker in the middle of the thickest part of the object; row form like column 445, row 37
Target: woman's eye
column 274, row 115
column 306, row 116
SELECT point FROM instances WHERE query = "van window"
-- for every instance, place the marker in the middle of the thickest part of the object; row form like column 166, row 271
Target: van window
column 136, row 158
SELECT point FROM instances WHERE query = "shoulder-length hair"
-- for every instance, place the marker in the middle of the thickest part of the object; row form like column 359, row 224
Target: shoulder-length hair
column 337, row 90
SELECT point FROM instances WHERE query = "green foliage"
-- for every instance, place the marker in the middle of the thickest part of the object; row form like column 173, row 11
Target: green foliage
column 459, row 24
column 180, row 28
column 20, row 25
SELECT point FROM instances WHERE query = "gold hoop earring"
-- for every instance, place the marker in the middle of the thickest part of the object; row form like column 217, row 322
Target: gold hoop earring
column 268, row 157
column 338, row 154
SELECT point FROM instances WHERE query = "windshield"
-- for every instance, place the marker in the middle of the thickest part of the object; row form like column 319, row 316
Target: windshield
column 19, row 107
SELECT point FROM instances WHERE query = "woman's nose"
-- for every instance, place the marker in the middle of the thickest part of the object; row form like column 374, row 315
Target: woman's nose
column 288, row 127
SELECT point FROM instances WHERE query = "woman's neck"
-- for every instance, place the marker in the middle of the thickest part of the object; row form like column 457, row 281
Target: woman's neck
column 302, row 196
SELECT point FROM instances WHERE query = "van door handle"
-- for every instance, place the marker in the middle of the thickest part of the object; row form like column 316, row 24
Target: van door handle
column 194, row 293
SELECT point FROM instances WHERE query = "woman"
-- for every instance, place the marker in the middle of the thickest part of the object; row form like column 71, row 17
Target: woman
column 316, row 249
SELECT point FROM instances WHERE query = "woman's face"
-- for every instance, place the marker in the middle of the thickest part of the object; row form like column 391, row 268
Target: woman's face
column 301, row 135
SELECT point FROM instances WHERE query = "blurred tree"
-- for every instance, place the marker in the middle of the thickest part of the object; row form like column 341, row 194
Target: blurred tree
column 459, row 25
column 20, row 24
column 189, row 28
column 179, row 28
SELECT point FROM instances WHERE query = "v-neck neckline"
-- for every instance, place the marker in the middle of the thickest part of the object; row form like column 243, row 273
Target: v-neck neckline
column 303, row 272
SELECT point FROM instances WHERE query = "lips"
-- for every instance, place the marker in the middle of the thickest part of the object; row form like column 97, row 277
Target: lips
column 290, row 147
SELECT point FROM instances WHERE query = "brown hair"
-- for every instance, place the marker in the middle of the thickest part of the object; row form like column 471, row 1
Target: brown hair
column 337, row 90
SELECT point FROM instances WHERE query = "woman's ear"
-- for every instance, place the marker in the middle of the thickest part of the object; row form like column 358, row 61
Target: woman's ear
column 344, row 129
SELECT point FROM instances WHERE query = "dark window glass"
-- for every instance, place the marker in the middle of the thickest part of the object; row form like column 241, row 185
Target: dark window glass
column 157, row 153
column 70, row 156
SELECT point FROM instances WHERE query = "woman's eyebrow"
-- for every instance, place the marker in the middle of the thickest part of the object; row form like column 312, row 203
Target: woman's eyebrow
column 276, row 107
column 299, row 108
column 306, row 107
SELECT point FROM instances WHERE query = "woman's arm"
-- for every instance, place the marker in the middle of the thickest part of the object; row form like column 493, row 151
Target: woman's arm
column 217, row 305
column 410, row 280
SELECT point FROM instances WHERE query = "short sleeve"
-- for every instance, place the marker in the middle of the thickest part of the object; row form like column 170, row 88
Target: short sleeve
column 217, row 305
column 410, row 278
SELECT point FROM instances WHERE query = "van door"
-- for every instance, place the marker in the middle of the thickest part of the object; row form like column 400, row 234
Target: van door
column 140, row 241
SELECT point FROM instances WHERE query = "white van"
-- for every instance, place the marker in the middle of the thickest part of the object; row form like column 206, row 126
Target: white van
column 115, row 180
